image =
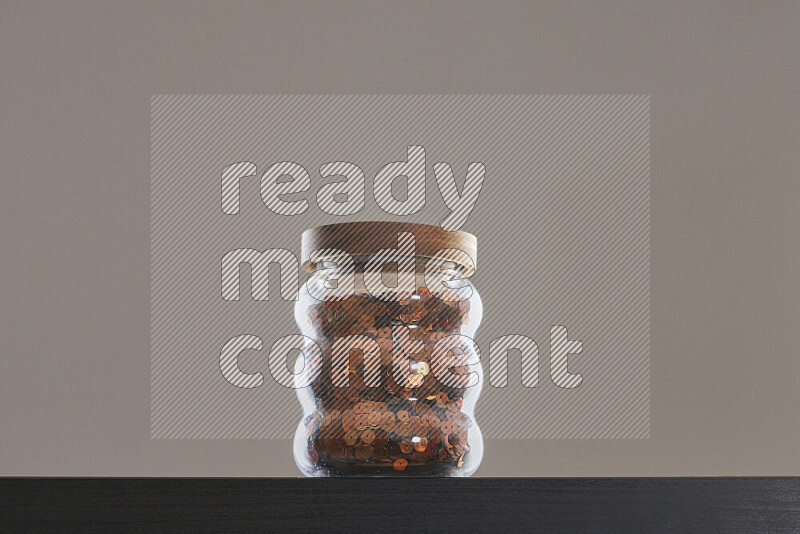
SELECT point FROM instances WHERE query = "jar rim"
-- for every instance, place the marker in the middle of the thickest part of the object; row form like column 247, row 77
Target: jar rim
column 362, row 239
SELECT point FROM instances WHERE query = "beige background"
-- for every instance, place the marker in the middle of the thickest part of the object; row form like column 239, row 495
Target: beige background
column 76, row 80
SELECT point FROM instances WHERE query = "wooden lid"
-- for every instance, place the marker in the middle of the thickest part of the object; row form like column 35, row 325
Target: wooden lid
column 361, row 239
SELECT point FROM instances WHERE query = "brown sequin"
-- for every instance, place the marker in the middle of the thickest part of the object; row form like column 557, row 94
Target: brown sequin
column 351, row 438
column 374, row 418
column 368, row 436
column 363, row 452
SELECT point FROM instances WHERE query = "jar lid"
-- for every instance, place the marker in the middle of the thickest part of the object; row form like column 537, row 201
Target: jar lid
column 361, row 239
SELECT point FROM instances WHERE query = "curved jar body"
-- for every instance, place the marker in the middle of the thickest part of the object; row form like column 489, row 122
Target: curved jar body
column 394, row 385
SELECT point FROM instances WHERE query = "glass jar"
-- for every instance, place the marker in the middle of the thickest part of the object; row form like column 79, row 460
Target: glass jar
column 392, row 388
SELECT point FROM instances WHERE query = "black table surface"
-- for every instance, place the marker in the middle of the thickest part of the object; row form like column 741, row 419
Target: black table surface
column 407, row 504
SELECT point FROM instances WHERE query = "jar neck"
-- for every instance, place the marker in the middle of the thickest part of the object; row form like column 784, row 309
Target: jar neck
column 360, row 265
column 392, row 280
